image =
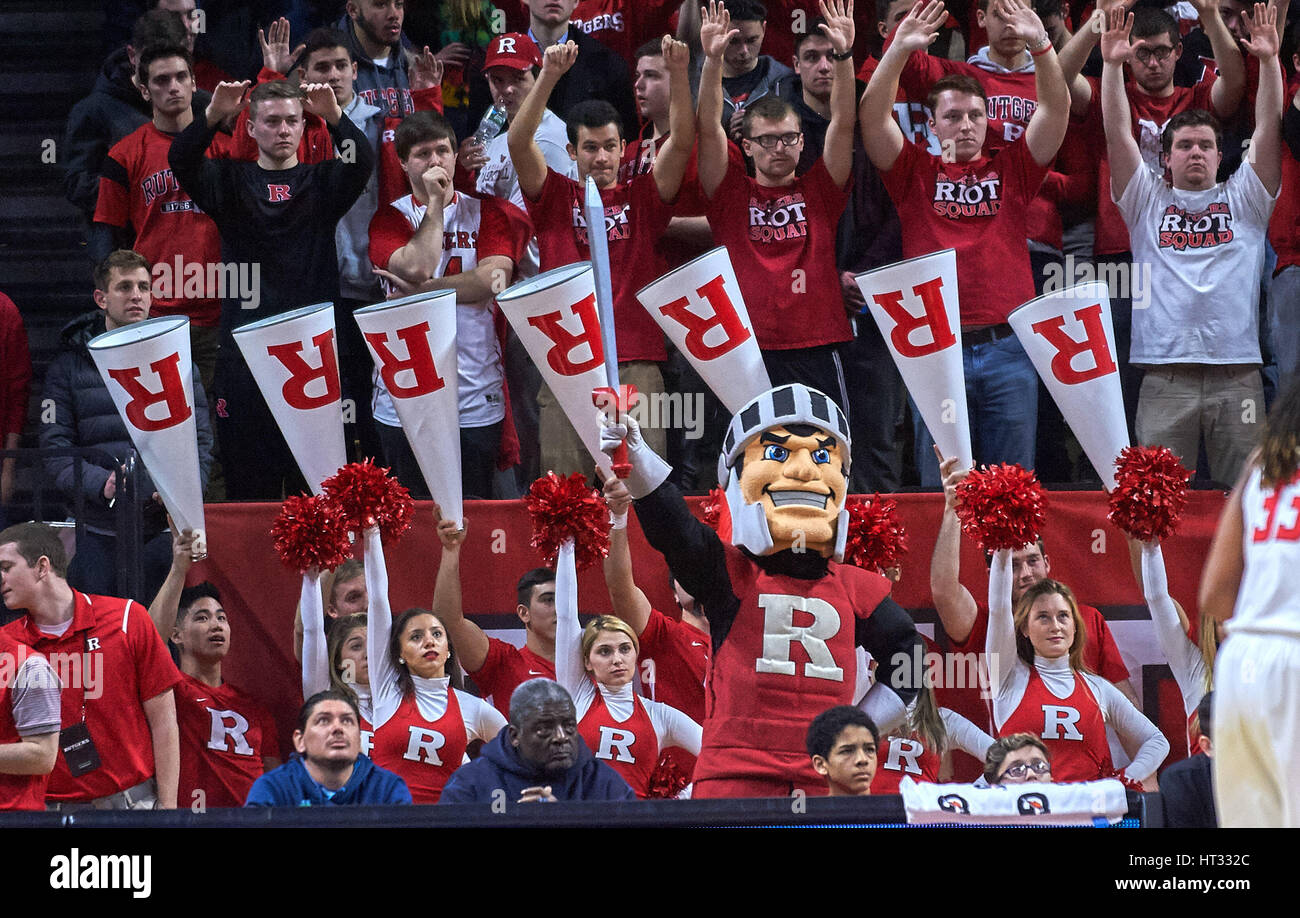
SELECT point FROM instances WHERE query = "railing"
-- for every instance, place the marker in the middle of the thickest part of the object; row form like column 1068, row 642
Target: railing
column 126, row 504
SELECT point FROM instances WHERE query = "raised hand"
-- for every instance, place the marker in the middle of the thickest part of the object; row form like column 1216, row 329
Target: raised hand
column 1263, row 42
column 921, row 26
column 472, row 156
column 677, row 56
column 322, row 102
column 1115, row 46
column 275, row 49
column 953, row 474
column 427, row 70
column 715, row 30
column 838, row 27
column 617, row 495
column 558, row 59
column 455, row 54
column 228, row 99
column 450, row 537
column 1023, row 21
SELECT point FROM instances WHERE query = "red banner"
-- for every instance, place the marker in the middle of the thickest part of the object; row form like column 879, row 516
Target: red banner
column 1086, row 552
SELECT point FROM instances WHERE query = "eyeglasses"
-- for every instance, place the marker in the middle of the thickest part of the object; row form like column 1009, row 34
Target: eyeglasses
column 1020, row 769
column 1160, row 54
column 769, row 141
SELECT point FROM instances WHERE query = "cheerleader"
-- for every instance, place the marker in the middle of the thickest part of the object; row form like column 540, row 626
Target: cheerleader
column 423, row 720
column 339, row 661
column 921, row 748
column 1250, row 580
column 597, row 666
column 1041, row 685
column 1192, row 662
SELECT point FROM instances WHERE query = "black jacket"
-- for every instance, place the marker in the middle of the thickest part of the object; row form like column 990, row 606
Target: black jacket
column 598, row 73
column 82, row 414
column 500, row 767
column 1188, row 794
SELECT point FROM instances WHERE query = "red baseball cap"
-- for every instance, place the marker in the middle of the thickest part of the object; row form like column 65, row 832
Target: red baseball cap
column 514, row 50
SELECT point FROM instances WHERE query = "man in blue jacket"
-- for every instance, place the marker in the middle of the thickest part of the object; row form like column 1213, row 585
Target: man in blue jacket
column 328, row 769
column 538, row 758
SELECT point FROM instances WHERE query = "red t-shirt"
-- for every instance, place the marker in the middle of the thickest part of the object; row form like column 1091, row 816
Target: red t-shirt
column 1012, row 100
column 784, row 255
column 225, row 735
column 1149, row 115
column 137, row 190
column 1284, row 224
column 978, row 208
column 635, row 218
column 124, row 663
column 624, row 25
column 505, row 668
column 679, row 659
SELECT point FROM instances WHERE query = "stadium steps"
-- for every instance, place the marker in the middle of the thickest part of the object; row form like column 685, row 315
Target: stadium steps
column 50, row 54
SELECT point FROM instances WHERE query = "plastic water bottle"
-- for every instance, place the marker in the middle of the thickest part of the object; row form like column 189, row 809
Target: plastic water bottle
column 491, row 125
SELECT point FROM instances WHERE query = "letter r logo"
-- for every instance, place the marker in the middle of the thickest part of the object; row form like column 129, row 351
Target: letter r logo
column 1067, row 348
column 505, row 45
column 171, row 392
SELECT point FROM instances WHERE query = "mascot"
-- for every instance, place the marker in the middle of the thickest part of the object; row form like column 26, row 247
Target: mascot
column 784, row 614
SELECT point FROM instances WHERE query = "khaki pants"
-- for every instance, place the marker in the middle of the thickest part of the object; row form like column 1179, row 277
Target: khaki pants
column 1181, row 403
column 562, row 449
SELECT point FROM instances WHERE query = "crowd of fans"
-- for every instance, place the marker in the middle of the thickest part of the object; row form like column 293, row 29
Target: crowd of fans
column 385, row 149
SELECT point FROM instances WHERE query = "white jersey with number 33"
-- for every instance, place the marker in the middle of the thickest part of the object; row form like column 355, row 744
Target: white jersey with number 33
column 1269, row 599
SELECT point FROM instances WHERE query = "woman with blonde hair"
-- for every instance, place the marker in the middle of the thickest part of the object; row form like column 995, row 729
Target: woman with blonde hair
column 1041, row 685
column 597, row 666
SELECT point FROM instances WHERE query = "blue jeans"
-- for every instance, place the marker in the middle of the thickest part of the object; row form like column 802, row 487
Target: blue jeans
column 1002, row 398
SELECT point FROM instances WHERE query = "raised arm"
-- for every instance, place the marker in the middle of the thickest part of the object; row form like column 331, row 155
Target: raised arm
column 1121, row 149
column 200, row 177
column 1266, row 142
column 1000, row 643
column 715, row 34
column 1184, row 657
column 881, row 135
column 670, row 165
column 954, row 603
column 315, row 653
column 1225, row 564
column 165, row 604
column 1226, row 93
column 529, row 163
column 1047, row 126
column 569, row 671
column 627, row 599
column 468, row 638
column 838, row 150
column 384, row 694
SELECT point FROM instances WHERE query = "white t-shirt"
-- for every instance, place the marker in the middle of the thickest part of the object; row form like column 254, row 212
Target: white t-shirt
column 479, row 373
column 1205, row 252
column 498, row 177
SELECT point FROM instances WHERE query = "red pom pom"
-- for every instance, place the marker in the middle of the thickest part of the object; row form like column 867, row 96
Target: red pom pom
column 713, row 508
column 1001, row 506
column 877, row 540
column 565, row 508
column 667, row 780
column 368, row 496
column 311, row 532
column 1150, row 492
